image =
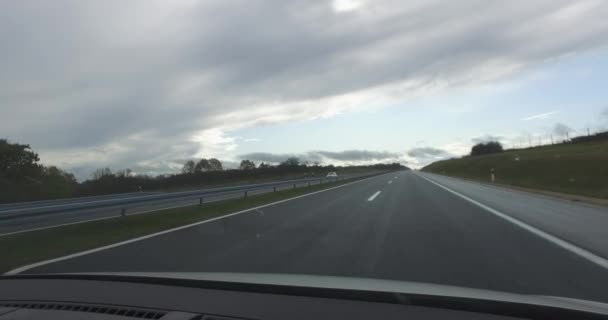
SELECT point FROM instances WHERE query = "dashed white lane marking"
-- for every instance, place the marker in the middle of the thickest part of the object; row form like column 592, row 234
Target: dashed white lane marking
column 374, row 196
column 390, row 182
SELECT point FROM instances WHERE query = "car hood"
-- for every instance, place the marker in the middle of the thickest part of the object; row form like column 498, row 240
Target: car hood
column 364, row 284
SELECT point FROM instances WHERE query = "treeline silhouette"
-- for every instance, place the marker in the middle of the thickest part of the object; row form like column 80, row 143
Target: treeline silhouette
column 496, row 147
column 600, row 136
column 486, row 148
column 23, row 178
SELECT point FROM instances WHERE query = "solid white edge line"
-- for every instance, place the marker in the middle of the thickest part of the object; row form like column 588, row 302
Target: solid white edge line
column 82, row 253
column 374, row 196
column 598, row 260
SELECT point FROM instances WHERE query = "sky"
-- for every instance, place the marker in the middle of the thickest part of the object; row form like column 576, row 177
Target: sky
column 148, row 85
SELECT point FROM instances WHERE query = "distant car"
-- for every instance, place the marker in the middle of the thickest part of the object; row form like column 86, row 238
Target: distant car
column 332, row 175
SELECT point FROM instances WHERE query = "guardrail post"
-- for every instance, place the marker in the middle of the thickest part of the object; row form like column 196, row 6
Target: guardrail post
column 246, row 194
column 274, row 189
column 309, row 183
column 200, row 201
column 294, row 185
column 123, row 212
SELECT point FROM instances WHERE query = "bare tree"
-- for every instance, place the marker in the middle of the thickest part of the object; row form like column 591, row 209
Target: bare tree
column 189, row 167
column 202, row 165
column 215, row 165
column 247, row 165
column 101, row 172
column 291, row 162
column 124, row 173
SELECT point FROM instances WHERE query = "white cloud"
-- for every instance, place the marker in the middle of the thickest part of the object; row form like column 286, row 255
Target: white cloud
column 540, row 116
column 214, row 143
column 346, row 5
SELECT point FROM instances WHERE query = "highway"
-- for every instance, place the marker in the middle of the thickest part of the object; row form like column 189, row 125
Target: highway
column 31, row 216
column 406, row 225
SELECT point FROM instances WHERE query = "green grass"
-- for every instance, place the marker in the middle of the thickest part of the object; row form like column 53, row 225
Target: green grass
column 26, row 248
column 580, row 169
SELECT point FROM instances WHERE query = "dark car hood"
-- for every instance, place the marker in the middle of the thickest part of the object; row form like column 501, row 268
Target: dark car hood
column 366, row 284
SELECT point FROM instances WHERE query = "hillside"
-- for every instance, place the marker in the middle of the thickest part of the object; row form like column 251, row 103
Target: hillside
column 580, row 168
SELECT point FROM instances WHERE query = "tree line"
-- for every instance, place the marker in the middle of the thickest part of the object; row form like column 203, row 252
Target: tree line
column 486, row 148
column 496, row 147
column 23, row 178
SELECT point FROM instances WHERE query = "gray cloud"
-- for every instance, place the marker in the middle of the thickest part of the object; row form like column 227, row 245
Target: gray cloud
column 348, row 156
column 358, row 155
column 422, row 156
column 427, row 152
column 83, row 76
column 604, row 114
column 487, row 138
column 561, row 129
column 268, row 157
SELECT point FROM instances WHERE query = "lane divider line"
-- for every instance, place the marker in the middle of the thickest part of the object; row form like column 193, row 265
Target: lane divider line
column 122, row 243
column 391, row 181
column 374, row 196
column 583, row 253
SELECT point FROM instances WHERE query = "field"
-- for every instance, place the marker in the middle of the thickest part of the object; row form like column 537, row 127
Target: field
column 580, row 169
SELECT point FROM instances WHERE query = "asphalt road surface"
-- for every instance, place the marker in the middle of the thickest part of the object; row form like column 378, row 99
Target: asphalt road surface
column 402, row 226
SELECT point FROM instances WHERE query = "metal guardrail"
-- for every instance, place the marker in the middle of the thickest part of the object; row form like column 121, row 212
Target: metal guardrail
column 124, row 203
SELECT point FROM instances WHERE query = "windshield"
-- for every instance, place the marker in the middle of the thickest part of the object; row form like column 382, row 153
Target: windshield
column 439, row 142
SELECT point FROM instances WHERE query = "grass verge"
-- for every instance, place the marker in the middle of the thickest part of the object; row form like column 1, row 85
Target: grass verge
column 29, row 247
column 578, row 169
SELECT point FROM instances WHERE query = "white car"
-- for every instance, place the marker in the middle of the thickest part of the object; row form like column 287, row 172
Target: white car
column 332, row 175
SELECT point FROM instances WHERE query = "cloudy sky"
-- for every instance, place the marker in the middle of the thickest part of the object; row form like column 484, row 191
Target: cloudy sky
column 148, row 84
